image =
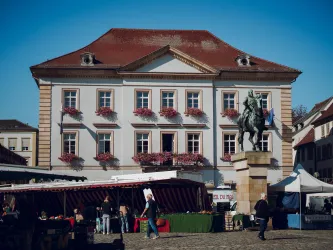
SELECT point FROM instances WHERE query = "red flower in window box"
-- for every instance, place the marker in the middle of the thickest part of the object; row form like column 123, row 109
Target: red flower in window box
column 152, row 158
column 189, row 158
column 104, row 157
column 168, row 112
column 68, row 157
column 143, row 112
column 265, row 112
column 194, row 112
column 71, row 111
column 227, row 157
column 104, row 111
column 231, row 113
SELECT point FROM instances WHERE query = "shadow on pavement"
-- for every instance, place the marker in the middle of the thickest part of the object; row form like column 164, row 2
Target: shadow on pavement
column 288, row 238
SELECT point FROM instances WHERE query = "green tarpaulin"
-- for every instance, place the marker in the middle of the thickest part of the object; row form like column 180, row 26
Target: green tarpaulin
column 195, row 223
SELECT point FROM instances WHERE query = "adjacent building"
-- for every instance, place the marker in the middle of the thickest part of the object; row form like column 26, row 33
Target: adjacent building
column 21, row 139
column 134, row 71
column 313, row 140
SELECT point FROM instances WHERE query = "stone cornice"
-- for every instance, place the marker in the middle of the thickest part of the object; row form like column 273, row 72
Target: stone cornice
column 112, row 73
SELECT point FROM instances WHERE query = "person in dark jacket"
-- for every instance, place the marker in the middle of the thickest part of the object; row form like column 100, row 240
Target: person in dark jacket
column 262, row 215
column 151, row 210
column 106, row 211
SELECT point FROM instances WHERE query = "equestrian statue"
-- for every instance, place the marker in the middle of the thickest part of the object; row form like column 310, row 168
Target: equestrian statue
column 252, row 120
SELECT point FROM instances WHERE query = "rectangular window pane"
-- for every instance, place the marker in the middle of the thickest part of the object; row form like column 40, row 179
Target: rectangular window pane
column 25, row 144
column 70, row 143
column 12, row 143
column 2, row 141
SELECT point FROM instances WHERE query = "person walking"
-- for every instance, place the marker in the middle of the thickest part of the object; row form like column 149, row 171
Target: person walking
column 151, row 210
column 262, row 215
column 123, row 210
column 106, row 211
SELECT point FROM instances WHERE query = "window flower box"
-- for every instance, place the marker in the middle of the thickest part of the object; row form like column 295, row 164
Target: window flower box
column 194, row 112
column 104, row 111
column 152, row 158
column 168, row 112
column 71, row 111
column 104, row 157
column 265, row 112
column 189, row 159
column 231, row 113
column 143, row 112
column 227, row 157
column 68, row 157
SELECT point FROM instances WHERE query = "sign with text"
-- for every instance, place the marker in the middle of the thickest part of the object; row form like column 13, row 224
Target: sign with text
column 317, row 218
column 223, row 196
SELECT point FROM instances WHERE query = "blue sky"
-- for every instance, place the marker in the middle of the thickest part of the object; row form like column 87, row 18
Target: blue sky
column 296, row 33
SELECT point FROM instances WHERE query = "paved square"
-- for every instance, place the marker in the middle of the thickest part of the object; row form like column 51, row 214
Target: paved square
column 284, row 239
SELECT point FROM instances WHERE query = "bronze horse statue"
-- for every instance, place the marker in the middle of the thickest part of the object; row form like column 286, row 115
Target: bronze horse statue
column 252, row 120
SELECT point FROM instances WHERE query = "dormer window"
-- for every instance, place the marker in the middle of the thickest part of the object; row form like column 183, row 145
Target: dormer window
column 243, row 60
column 87, row 59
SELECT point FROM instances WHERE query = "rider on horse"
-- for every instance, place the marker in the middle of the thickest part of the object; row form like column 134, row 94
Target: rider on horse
column 249, row 103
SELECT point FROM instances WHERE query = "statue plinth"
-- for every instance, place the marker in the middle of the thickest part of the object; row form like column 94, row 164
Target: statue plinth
column 251, row 178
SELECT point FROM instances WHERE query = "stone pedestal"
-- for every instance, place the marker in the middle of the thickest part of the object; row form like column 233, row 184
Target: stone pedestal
column 251, row 178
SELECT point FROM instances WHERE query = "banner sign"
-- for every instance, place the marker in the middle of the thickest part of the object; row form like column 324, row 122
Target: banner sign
column 317, row 218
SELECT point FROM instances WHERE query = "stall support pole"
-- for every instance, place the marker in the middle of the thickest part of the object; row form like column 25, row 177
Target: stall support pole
column 65, row 199
column 300, row 204
column 117, row 198
column 132, row 204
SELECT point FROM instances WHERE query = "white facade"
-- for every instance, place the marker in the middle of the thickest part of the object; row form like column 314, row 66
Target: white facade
column 317, row 155
column 123, row 136
column 21, row 143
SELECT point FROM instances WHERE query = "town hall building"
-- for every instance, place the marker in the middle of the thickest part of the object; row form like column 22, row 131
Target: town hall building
column 134, row 92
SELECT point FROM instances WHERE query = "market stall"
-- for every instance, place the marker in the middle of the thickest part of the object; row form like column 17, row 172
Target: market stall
column 174, row 195
column 295, row 187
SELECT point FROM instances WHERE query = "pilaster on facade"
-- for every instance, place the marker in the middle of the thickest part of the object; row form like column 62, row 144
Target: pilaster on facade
column 286, row 120
column 44, row 146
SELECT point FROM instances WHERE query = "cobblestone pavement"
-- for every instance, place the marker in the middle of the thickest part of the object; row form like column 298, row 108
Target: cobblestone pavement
column 284, row 239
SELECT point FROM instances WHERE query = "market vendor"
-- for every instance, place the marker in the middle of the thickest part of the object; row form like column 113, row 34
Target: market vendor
column 6, row 208
column 327, row 207
column 77, row 215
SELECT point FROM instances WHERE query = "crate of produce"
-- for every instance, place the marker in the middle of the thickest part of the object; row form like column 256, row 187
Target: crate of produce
column 143, row 226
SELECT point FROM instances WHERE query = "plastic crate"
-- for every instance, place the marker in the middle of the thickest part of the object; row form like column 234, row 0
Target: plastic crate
column 143, row 226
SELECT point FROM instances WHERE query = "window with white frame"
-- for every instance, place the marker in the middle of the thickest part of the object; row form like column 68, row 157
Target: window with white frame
column 193, row 143
column 70, row 99
column 229, row 144
column 142, row 142
column 104, row 143
column 12, row 144
column 265, row 99
column 229, row 101
column 2, row 141
column 142, row 99
column 327, row 129
column 193, row 99
column 104, row 99
column 168, row 99
column 265, row 145
column 322, row 127
column 25, row 144
column 69, row 143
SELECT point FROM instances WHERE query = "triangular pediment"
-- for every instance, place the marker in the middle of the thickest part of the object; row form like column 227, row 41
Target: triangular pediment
column 168, row 60
column 169, row 64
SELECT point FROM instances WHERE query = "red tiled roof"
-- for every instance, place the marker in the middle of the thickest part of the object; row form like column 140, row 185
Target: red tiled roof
column 328, row 113
column 309, row 137
column 15, row 125
column 320, row 105
column 119, row 47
